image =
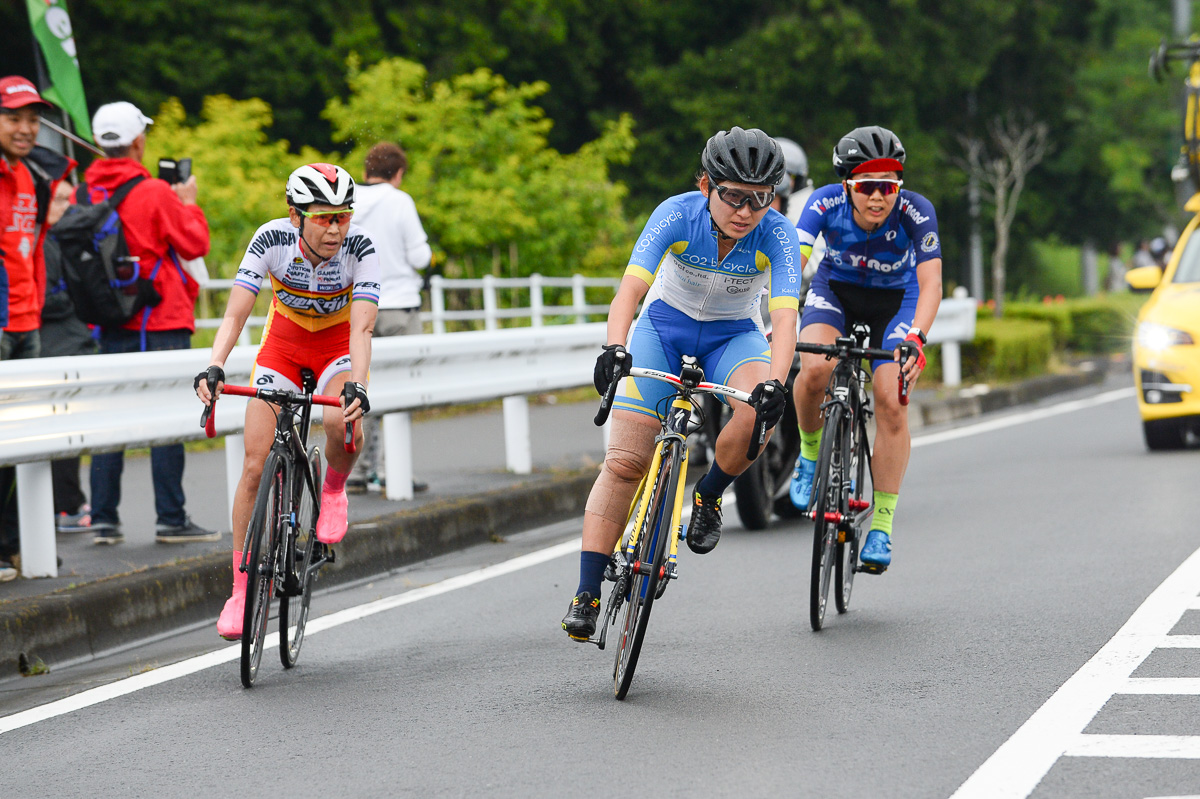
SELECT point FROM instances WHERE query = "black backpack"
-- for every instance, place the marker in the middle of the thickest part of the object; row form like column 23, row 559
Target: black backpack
column 104, row 282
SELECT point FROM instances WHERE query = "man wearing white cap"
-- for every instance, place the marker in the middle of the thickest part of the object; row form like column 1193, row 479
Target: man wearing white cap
column 162, row 226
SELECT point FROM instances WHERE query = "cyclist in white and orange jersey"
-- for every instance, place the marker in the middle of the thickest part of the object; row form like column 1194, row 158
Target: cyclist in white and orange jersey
column 325, row 276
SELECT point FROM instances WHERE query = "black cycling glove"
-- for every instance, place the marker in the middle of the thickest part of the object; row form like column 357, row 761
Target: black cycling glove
column 352, row 391
column 769, row 405
column 213, row 374
column 613, row 364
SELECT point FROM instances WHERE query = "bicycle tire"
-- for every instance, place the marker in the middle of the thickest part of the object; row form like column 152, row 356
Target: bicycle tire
column 858, row 467
column 652, row 547
column 298, row 555
column 826, row 492
column 755, row 493
column 263, row 540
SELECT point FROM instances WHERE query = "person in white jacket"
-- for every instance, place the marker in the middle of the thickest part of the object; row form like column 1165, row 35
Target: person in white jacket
column 390, row 216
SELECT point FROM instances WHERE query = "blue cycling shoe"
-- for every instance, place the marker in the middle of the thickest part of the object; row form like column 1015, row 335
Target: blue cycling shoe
column 802, row 482
column 876, row 554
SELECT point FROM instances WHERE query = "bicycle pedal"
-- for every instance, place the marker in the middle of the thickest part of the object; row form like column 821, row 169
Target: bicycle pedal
column 871, row 568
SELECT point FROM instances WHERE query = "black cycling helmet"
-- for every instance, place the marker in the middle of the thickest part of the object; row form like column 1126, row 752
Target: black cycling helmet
column 743, row 156
column 869, row 149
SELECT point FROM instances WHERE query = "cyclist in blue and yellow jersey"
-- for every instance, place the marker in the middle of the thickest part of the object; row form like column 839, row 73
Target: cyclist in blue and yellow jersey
column 325, row 275
column 700, row 263
column 882, row 266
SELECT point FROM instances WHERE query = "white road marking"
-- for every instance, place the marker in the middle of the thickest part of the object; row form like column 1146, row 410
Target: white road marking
column 1023, row 417
column 226, row 654
column 1056, row 729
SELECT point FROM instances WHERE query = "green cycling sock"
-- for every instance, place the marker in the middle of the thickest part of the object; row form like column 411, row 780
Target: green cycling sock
column 885, row 509
column 810, row 444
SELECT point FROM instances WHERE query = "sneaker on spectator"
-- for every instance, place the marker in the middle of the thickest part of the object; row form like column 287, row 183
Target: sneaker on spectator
column 80, row 522
column 106, row 533
column 184, row 533
column 7, row 571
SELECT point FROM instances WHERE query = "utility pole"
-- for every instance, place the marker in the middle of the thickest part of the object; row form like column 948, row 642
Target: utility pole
column 976, row 240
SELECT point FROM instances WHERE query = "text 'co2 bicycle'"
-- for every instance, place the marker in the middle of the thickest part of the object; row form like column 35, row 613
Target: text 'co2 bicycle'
column 282, row 555
column 645, row 560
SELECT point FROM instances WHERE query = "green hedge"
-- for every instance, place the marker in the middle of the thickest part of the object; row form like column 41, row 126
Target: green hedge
column 1007, row 349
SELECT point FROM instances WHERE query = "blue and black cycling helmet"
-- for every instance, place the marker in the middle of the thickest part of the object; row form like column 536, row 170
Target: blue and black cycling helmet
column 743, row 156
column 869, row 149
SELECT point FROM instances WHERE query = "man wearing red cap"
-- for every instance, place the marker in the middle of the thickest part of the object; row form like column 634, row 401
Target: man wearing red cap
column 28, row 177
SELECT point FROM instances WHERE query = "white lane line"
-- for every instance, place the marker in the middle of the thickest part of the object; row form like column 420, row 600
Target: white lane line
column 1180, row 642
column 1173, row 686
column 1145, row 746
column 1017, row 767
column 183, row 668
column 1023, row 417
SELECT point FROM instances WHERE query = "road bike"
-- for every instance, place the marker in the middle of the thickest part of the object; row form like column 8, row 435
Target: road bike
column 842, row 498
column 646, row 558
column 282, row 555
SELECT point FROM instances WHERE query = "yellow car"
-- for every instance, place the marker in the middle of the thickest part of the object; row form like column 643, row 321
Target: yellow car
column 1166, row 358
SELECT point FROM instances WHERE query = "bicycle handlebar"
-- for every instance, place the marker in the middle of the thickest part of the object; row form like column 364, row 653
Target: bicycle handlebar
column 208, row 419
column 837, row 351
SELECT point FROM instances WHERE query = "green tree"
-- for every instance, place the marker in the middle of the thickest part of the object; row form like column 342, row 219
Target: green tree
column 481, row 171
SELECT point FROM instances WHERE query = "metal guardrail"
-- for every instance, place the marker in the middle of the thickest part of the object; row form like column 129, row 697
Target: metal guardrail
column 538, row 312
column 58, row 407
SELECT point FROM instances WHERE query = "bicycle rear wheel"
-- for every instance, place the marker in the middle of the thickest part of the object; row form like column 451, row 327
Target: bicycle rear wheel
column 263, row 540
column 646, row 569
column 827, row 490
column 298, row 555
column 858, row 467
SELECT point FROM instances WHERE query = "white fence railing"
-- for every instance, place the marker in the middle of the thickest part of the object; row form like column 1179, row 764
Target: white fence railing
column 537, row 312
column 58, row 407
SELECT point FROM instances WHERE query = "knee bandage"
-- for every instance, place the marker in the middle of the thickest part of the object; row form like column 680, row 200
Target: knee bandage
column 630, row 450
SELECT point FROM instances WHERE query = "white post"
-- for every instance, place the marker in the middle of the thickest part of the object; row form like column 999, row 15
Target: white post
column 489, row 302
column 578, row 298
column 951, row 364
column 397, row 455
column 516, row 435
column 437, row 303
column 536, row 301
column 235, row 456
column 35, row 504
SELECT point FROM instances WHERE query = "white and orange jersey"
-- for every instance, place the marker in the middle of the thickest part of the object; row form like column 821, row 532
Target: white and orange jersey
column 313, row 297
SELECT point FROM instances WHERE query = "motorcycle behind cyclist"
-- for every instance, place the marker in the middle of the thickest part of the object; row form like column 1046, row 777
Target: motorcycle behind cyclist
column 700, row 264
column 882, row 267
column 325, row 276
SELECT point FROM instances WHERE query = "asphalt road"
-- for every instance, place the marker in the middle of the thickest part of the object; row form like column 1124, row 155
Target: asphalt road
column 1021, row 549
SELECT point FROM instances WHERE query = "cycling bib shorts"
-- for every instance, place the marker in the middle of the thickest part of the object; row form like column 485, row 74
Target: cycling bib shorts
column 888, row 312
column 283, row 353
column 663, row 335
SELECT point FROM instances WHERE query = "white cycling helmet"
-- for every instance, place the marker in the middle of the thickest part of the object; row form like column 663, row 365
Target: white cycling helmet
column 320, row 183
column 794, row 158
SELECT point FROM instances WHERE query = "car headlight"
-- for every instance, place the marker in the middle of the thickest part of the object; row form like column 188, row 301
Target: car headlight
column 1153, row 336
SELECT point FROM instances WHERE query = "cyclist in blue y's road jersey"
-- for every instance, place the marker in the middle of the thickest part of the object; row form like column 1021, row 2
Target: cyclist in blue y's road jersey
column 701, row 263
column 882, row 266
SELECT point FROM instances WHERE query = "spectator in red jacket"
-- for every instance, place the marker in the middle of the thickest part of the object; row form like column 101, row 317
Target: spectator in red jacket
column 28, row 177
column 163, row 225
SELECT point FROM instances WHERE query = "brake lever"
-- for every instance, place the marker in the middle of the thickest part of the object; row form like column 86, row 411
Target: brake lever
column 607, row 400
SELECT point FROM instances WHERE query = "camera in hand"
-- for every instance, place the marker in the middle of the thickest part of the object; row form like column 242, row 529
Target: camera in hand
column 175, row 170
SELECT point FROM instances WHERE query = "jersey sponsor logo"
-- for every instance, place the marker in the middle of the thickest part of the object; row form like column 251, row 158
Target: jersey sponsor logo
column 323, row 306
column 271, row 238
column 250, row 273
column 862, row 262
column 265, row 380
column 298, row 260
column 900, row 331
column 815, row 300
column 785, row 242
column 913, row 213
column 358, row 245
column 653, row 231
column 367, row 286
column 890, row 235
column 827, row 203
column 930, row 242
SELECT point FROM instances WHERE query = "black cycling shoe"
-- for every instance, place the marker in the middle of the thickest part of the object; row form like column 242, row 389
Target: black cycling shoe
column 705, row 530
column 580, row 621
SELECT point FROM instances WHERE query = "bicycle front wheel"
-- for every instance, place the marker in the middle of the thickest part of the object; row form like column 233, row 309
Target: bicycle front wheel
column 858, row 466
column 827, row 490
column 263, row 541
column 298, row 557
column 647, row 567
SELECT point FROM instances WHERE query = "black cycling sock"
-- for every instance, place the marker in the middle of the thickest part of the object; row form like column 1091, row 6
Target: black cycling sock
column 591, row 572
column 715, row 482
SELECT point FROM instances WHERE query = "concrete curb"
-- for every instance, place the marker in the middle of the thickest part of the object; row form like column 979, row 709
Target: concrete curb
column 950, row 409
column 81, row 623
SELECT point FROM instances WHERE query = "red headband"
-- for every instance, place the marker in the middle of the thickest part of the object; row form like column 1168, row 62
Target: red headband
column 879, row 165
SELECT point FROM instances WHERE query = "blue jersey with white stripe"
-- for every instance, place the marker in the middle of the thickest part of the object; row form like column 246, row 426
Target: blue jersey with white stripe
column 884, row 258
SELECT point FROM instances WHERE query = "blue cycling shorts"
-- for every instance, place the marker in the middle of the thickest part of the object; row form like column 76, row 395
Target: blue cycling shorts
column 888, row 312
column 663, row 335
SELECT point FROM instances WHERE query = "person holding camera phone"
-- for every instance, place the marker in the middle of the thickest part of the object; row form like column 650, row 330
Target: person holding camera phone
column 162, row 225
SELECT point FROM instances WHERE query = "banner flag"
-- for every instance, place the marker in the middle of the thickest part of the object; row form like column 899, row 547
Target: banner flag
column 52, row 29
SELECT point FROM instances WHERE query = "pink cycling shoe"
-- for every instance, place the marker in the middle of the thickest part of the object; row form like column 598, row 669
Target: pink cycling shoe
column 229, row 626
column 331, row 525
